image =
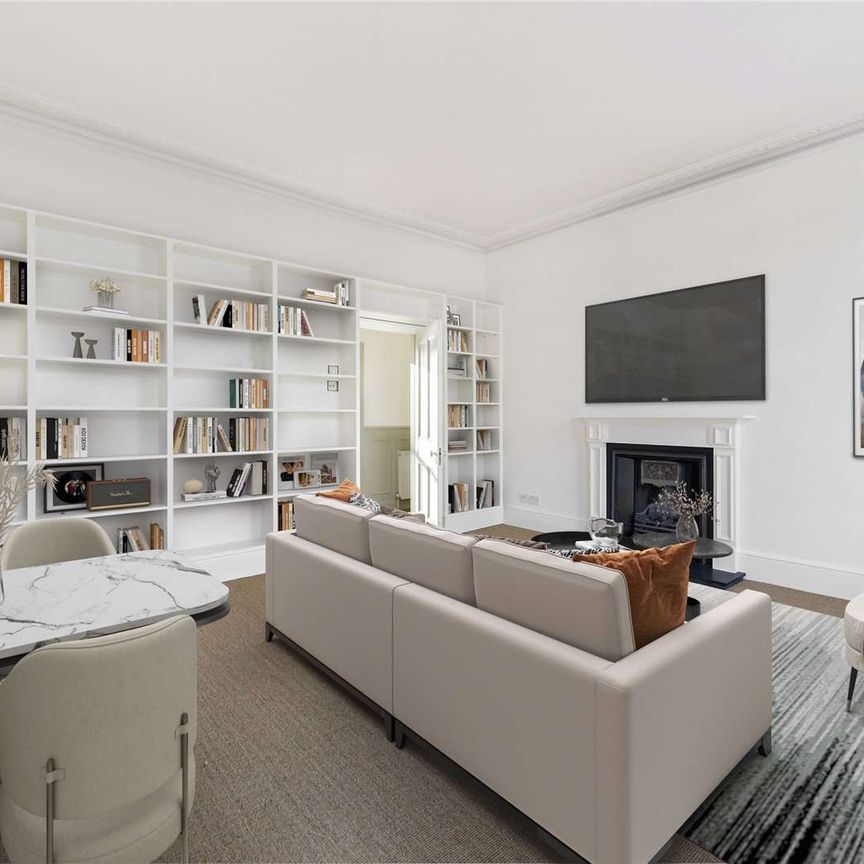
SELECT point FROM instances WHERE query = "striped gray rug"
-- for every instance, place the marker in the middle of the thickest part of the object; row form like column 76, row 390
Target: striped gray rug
column 805, row 803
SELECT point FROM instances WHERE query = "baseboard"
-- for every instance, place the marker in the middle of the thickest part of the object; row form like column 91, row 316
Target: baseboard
column 817, row 577
column 535, row 519
column 226, row 566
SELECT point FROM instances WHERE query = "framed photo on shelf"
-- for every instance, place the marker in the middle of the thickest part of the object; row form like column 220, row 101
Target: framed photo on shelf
column 70, row 491
column 289, row 466
column 304, row 479
column 333, row 370
column 858, row 376
column 327, row 464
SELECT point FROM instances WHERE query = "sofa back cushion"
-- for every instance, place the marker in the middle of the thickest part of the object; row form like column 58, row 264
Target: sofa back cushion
column 334, row 525
column 440, row 560
column 578, row 603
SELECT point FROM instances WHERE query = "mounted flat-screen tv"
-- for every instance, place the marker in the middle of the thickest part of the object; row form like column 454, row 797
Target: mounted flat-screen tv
column 705, row 343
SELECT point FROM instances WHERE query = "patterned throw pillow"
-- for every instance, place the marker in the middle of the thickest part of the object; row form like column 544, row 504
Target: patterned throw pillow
column 525, row 544
column 358, row 499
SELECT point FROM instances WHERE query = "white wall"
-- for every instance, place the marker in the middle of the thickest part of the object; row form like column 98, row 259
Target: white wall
column 800, row 222
column 75, row 178
column 387, row 361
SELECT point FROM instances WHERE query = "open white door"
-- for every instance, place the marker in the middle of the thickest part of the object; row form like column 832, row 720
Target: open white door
column 426, row 481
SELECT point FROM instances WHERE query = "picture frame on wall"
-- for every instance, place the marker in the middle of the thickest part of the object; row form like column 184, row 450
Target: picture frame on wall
column 70, row 491
column 306, row 479
column 858, row 376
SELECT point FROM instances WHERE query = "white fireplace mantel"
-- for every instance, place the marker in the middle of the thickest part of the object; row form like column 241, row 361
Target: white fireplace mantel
column 721, row 434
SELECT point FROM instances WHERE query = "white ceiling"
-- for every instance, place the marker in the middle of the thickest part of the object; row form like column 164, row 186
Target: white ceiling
column 482, row 119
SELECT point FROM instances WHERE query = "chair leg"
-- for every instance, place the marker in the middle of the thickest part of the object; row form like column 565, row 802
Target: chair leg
column 52, row 775
column 184, row 795
column 853, row 677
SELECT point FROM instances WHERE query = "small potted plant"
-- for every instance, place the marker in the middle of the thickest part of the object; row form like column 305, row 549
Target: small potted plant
column 677, row 500
column 106, row 290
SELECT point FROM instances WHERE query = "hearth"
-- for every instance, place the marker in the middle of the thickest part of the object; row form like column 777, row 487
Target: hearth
column 636, row 475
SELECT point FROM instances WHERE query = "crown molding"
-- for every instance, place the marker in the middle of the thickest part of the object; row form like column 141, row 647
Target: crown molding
column 71, row 122
column 732, row 162
column 63, row 119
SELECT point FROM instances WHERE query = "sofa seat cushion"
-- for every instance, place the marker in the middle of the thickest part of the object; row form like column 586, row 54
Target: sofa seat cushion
column 439, row 560
column 657, row 581
column 334, row 525
column 582, row 604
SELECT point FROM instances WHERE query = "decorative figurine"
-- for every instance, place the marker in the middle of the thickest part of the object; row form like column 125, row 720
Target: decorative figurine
column 193, row 487
column 212, row 473
column 77, row 352
column 91, row 352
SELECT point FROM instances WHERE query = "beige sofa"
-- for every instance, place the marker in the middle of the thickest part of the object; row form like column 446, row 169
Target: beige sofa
column 521, row 668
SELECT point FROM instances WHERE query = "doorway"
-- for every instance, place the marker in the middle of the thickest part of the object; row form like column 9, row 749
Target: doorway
column 400, row 398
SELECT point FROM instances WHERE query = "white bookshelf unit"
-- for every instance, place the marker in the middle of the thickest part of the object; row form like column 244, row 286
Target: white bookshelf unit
column 131, row 407
column 475, row 403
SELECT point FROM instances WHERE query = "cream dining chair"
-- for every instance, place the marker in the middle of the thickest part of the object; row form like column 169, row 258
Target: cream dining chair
column 96, row 747
column 48, row 541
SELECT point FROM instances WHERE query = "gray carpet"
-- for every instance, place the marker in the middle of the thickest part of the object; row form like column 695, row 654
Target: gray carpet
column 806, row 802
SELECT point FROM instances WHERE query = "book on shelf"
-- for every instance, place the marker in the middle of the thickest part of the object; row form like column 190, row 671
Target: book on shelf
column 13, row 439
column 133, row 540
column 484, row 439
column 204, row 496
column 340, row 295
column 293, row 321
column 456, row 367
column 137, row 346
column 485, row 494
column 13, row 282
column 249, row 393
column 457, row 340
column 61, row 438
column 234, row 314
column 458, row 497
column 458, row 446
column 484, row 392
column 194, row 435
column 251, row 478
column 482, row 368
column 286, row 515
column 458, row 416
column 157, row 536
column 199, row 309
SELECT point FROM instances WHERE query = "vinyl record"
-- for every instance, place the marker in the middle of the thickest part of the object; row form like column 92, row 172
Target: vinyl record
column 72, row 486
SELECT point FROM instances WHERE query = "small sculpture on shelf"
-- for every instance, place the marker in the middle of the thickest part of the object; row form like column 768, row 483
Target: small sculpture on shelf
column 212, row 473
column 91, row 349
column 106, row 290
column 77, row 351
column 193, row 487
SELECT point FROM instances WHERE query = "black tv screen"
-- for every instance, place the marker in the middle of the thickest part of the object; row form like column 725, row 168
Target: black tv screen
column 698, row 344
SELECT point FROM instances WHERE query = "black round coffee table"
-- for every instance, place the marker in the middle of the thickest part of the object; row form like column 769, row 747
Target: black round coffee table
column 562, row 539
column 706, row 549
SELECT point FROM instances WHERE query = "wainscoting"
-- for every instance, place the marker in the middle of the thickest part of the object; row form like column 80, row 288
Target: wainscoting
column 380, row 447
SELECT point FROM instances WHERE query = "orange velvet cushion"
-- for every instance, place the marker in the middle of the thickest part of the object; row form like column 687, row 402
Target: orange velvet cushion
column 657, row 582
column 342, row 492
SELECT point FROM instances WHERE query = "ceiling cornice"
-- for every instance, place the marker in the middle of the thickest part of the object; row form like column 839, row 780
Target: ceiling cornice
column 62, row 118
column 731, row 162
column 69, row 121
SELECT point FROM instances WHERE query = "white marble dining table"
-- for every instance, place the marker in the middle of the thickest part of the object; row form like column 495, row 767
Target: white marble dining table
column 95, row 596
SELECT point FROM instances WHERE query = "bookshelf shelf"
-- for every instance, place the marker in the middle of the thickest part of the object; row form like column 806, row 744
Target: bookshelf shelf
column 97, row 409
column 242, row 499
column 80, row 460
column 18, row 256
column 211, row 410
column 13, row 357
column 317, row 410
column 317, row 375
column 222, row 289
column 319, row 339
column 237, row 371
column 78, row 267
column 223, row 454
column 104, row 514
column 220, row 331
column 78, row 361
column 13, row 307
column 318, row 304
column 283, row 451
column 58, row 312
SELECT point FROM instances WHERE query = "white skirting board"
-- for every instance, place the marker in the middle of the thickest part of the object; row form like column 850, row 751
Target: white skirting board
column 233, row 565
column 474, row 520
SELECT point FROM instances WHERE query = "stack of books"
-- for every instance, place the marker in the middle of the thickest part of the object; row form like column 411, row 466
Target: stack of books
column 61, row 437
column 233, row 314
column 482, row 368
column 248, row 393
column 13, row 284
column 340, row 295
column 457, row 340
column 484, row 439
column 250, row 478
column 137, row 346
column 13, row 439
column 456, row 367
column 458, row 497
column 484, row 392
column 133, row 540
column 457, row 417
column 286, row 515
column 293, row 321
column 457, row 446
column 485, row 494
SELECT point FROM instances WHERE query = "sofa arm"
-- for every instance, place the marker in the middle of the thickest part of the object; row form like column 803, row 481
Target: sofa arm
column 674, row 718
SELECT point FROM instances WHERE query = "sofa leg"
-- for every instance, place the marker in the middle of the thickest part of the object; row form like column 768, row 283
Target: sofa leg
column 853, row 677
column 399, row 736
column 390, row 727
column 268, row 633
column 765, row 744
